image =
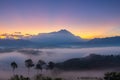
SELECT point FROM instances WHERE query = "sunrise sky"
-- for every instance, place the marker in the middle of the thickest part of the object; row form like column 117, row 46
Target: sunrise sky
column 85, row 18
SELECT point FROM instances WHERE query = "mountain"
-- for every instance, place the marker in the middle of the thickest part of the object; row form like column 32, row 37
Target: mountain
column 60, row 37
column 105, row 41
column 97, row 42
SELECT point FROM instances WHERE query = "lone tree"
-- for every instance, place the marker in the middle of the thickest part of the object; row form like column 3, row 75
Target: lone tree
column 41, row 62
column 14, row 66
column 51, row 65
column 39, row 65
column 29, row 64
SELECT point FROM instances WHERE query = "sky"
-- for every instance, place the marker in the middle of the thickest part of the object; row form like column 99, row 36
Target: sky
column 84, row 18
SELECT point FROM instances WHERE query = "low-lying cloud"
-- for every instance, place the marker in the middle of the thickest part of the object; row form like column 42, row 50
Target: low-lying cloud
column 30, row 52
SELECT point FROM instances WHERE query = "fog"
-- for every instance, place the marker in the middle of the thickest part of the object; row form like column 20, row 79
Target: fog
column 55, row 55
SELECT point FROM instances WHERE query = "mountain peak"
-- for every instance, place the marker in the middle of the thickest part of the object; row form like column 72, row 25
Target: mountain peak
column 64, row 31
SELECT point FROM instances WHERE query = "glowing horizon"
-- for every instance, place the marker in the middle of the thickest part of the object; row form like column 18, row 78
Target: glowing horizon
column 17, row 35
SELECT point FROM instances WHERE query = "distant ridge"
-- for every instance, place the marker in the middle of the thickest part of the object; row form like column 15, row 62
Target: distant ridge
column 107, row 40
column 62, row 38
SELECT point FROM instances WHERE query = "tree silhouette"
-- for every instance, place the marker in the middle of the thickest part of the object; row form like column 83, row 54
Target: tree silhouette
column 39, row 65
column 51, row 65
column 14, row 66
column 29, row 64
column 41, row 62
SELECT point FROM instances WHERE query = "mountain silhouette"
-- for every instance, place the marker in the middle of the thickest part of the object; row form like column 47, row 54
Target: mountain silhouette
column 107, row 40
column 62, row 36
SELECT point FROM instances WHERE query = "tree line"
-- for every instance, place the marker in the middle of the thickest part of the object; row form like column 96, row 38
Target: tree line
column 29, row 64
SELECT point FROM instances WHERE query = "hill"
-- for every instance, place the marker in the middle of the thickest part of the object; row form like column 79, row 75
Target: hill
column 92, row 61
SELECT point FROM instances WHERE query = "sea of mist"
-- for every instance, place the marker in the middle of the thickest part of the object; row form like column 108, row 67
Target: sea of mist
column 53, row 54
